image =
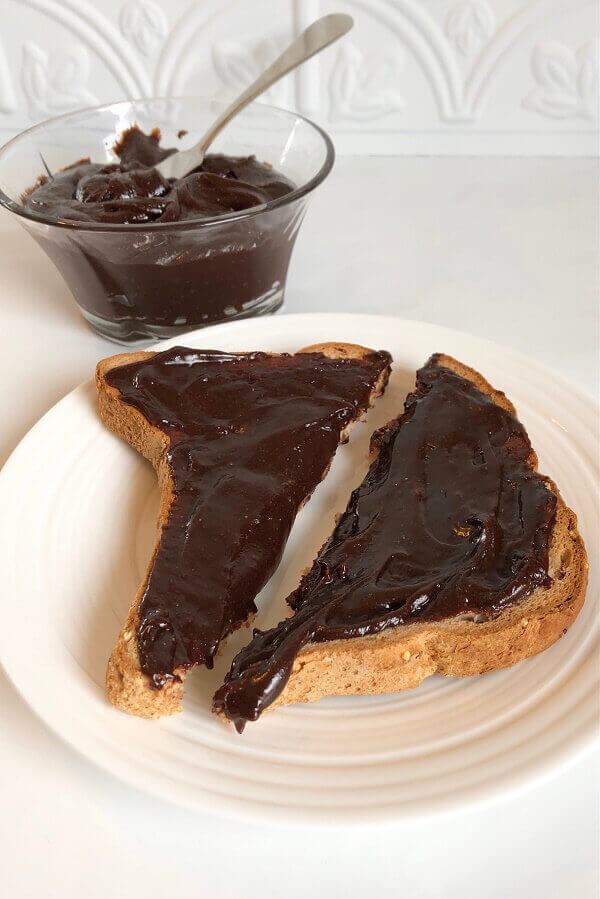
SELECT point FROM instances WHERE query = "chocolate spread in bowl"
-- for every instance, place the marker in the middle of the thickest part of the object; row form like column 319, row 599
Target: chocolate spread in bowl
column 132, row 192
column 164, row 279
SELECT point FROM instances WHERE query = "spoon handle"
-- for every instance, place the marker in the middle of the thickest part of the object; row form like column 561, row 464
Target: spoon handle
column 316, row 37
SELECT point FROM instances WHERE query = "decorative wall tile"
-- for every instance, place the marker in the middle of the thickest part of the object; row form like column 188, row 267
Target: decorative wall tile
column 469, row 25
column 567, row 82
column 144, row 23
column 433, row 76
column 57, row 81
column 364, row 87
column 239, row 64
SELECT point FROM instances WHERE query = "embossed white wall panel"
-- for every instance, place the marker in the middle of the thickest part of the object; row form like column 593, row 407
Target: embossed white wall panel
column 415, row 76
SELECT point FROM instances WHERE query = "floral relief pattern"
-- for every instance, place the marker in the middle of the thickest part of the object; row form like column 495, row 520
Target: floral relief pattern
column 57, row 81
column 364, row 87
column 238, row 65
column 469, row 25
column 144, row 24
column 410, row 67
column 566, row 82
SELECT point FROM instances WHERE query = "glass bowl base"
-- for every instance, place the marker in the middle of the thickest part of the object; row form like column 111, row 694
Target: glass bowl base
column 136, row 333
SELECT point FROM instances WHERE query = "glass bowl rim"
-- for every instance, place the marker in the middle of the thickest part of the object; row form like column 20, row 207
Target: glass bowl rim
column 296, row 194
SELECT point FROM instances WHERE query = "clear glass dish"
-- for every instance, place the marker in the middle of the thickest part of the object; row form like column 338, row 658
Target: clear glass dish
column 135, row 283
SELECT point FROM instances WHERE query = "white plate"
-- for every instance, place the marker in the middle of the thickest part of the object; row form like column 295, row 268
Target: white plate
column 77, row 525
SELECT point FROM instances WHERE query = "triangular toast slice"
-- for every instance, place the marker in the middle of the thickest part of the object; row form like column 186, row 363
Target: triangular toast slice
column 453, row 556
column 239, row 441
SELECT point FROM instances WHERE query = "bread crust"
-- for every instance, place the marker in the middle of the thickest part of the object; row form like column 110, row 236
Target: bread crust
column 402, row 657
column 127, row 687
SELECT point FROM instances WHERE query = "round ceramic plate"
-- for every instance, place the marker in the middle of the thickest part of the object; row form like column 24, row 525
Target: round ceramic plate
column 77, row 526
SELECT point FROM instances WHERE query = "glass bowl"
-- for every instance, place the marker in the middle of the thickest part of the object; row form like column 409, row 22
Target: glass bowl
column 136, row 283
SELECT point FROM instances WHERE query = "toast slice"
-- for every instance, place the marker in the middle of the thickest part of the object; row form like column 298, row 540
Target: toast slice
column 453, row 556
column 239, row 441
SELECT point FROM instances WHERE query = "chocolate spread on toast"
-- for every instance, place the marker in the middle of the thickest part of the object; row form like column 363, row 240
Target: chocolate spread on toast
column 250, row 437
column 450, row 520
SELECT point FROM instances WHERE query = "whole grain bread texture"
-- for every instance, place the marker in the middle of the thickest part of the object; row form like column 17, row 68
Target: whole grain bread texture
column 127, row 687
column 402, row 657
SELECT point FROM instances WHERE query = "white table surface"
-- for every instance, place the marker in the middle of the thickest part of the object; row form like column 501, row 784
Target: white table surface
column 503, row 248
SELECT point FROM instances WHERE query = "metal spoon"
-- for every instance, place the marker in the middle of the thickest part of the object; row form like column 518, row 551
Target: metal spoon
column 315, row 38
